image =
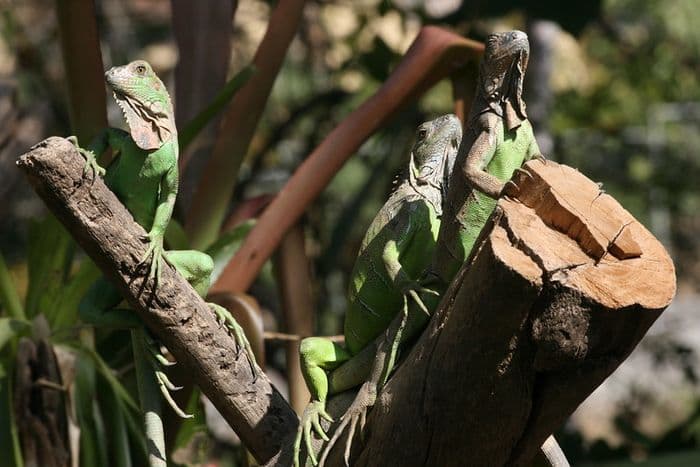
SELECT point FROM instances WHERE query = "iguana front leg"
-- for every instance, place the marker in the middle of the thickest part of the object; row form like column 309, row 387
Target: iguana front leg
column 477, row 160
column 106, row 138
column 407, row 286
column 318, row 357
column 166, row 202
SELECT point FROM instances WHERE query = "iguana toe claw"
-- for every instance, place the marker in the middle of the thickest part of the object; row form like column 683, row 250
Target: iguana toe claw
column 524, row 172
column 540, row 157
column 428, row 291
column 156, row 253
column 164, row 383
column 510, row 189
column 311, row 419
column 416, row 298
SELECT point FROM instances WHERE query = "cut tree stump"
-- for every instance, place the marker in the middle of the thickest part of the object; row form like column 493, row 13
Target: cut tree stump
column 100, row 223
column 562, row 285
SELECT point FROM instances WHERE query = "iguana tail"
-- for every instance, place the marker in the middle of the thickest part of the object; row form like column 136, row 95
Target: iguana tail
column 552, row 451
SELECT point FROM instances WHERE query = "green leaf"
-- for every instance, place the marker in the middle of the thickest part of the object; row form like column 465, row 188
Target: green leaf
column 65, row 310
column 9, row 298
column 226, row 246
column 50, row 253
column 115, row 422
column 192, row 129
column 106, row 372
column 137, row 435
column 11, row 328
column 9, row 440
column 92, row 447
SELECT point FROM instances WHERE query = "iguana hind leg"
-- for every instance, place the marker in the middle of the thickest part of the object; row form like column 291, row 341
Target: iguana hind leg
column 100, row 307
column 318, row 356
column 196, row 267
column 355, row 417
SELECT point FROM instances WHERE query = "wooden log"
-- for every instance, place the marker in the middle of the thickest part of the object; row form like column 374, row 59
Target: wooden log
column 175, row 313
column 562, row 285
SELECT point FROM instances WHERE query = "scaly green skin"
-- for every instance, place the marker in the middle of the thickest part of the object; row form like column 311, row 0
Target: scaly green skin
column 498, row 140
column 395, row 252
column 144, row 176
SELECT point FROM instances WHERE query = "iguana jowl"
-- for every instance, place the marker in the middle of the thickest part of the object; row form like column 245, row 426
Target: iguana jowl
column 395, row 252
column 144, row 176
column 498, row 140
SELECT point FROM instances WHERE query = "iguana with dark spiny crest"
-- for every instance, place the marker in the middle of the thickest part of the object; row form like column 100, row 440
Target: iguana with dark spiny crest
column 144, row 176
column 498, row 139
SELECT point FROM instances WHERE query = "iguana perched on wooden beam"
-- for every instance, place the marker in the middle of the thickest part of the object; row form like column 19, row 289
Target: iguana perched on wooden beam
column 498, row 140
column 144, row 176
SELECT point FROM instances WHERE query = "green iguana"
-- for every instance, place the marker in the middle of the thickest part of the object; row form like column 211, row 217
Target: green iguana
column 498, row 140
column 395, row 252
column 144, row 176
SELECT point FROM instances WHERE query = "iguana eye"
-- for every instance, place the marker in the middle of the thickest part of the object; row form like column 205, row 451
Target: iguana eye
column 422, row 133
column 140, row 69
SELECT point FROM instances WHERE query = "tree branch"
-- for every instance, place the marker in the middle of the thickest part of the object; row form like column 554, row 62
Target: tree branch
column 175, row 313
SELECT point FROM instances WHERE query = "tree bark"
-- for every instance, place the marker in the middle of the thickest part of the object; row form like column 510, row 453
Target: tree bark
column 174, row 312
column 560, row 288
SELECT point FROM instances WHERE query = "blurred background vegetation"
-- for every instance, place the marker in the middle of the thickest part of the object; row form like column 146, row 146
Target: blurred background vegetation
column 612, row 90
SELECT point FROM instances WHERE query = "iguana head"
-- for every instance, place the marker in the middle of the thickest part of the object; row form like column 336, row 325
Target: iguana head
column 502, row 74
column 145, row 102
column 434, row 151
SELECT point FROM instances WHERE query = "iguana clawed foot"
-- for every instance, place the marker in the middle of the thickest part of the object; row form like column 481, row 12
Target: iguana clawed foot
column 156, row 253
column 224, row 317
column 411, row 288
column 354, row 420
column 540, row 157
column 90, row 159
column 158, row 361
column 510, row 188
column 311, row 418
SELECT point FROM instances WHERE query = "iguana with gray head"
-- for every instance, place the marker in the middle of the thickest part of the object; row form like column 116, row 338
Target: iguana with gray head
column 497, row 141
column 144, row 176
column 395, row 252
